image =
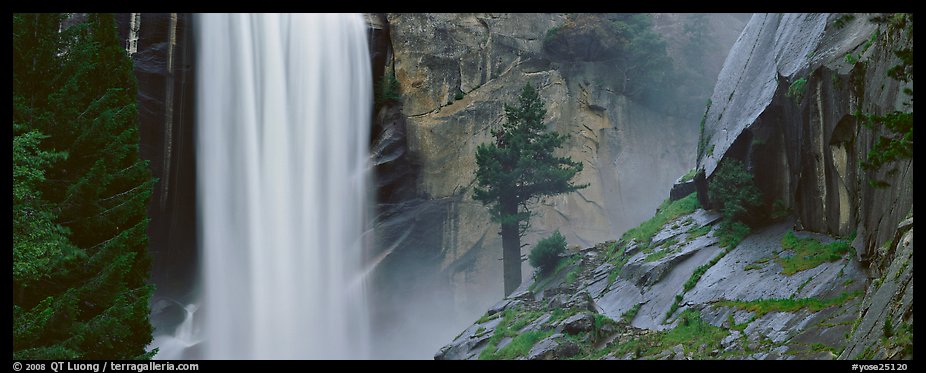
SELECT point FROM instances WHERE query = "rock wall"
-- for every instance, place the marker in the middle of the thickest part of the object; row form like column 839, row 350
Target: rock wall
column 436, row 245
column 763, row 299
column 161, row 47
column 784, row 104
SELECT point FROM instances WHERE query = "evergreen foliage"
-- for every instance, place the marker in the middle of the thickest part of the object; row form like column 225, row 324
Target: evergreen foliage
column 80, row 260
column 546, row 254
column 518, row 167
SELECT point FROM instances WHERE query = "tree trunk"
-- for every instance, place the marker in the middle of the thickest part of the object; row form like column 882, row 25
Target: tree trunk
column 511, row 249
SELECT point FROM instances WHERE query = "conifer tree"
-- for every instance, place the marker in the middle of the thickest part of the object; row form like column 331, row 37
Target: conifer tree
column 518, row 167
column 80, row 260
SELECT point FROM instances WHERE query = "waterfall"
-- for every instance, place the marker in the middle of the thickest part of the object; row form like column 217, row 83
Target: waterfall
column 283, row 108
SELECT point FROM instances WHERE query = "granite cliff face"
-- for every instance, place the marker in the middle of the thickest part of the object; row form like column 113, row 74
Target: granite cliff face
column 161, row 48
column 455, row 72
column 786, row 107
column 683, row 296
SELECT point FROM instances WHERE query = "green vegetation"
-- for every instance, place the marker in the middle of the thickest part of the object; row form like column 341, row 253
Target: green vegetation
column 763, row 306
column 518, row 167
column 628, row 316
column 851, row 59
column 656, row 255
column 734, row 191
column 519, row 346
column 643, row 233
column 796, row 89
column 80, row 194
column 843, row 20
column 546, row 254
column 820, row 347
column 459, row 96
column 513, row 319
column 902, row 339
column 689, row 176
column 386, row 90
column 887, row 328
column 779, row 210
column 695, row 233
column 677, row 302
column 868, row 43
column 758, row 264
column 809, row 253
column 541, row 281
column 666, row 213
column 691, row 332
column 571, row 276
column 702, row 139
column 630, row 44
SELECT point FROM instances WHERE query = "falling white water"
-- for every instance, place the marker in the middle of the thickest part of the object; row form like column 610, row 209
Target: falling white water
column 282, row 149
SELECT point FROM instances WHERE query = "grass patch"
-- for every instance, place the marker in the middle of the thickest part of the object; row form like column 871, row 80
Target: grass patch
column 796, row 89
column 734, row 325
column 631, row 313
column 809, row 253
column 689, row 176
column 571, row 276
column 512, row 321
column 820, row 347
column 520, row 345
column 652, row 257
column 667, row 212
column 695, row 233
column 692, row 332
column 801, row 287
column 763, row 306
column 673, row 307
column 731, row 234
column 541, row 280
column 696, row 275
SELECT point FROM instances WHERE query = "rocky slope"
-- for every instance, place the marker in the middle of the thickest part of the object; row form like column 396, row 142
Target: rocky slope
column 783, row 292
column 437, row 250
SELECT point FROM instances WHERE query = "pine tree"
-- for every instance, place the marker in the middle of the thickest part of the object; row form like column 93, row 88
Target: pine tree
column 518, row 167
column 80, row 194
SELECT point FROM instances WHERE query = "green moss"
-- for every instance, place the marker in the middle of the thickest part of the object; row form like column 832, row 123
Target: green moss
column 541, row 281
column 710, row 149
column 696, row 275
column 763, row 306
column 801, row 287
column 820, row 347
column 692, row 332
column 573, row 274
column 689, row 176
column 667, row 212
column 851, row 59
column 631, row 313
column 796, row 89
column 695, row 233
column 731, row 234
column 513, row 319
column 809, row 253
column 659, row 254
column 734, row 325
column 673, row 307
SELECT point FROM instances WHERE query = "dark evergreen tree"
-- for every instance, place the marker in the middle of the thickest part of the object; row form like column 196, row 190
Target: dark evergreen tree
column 518, row 167
column 80, row 260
